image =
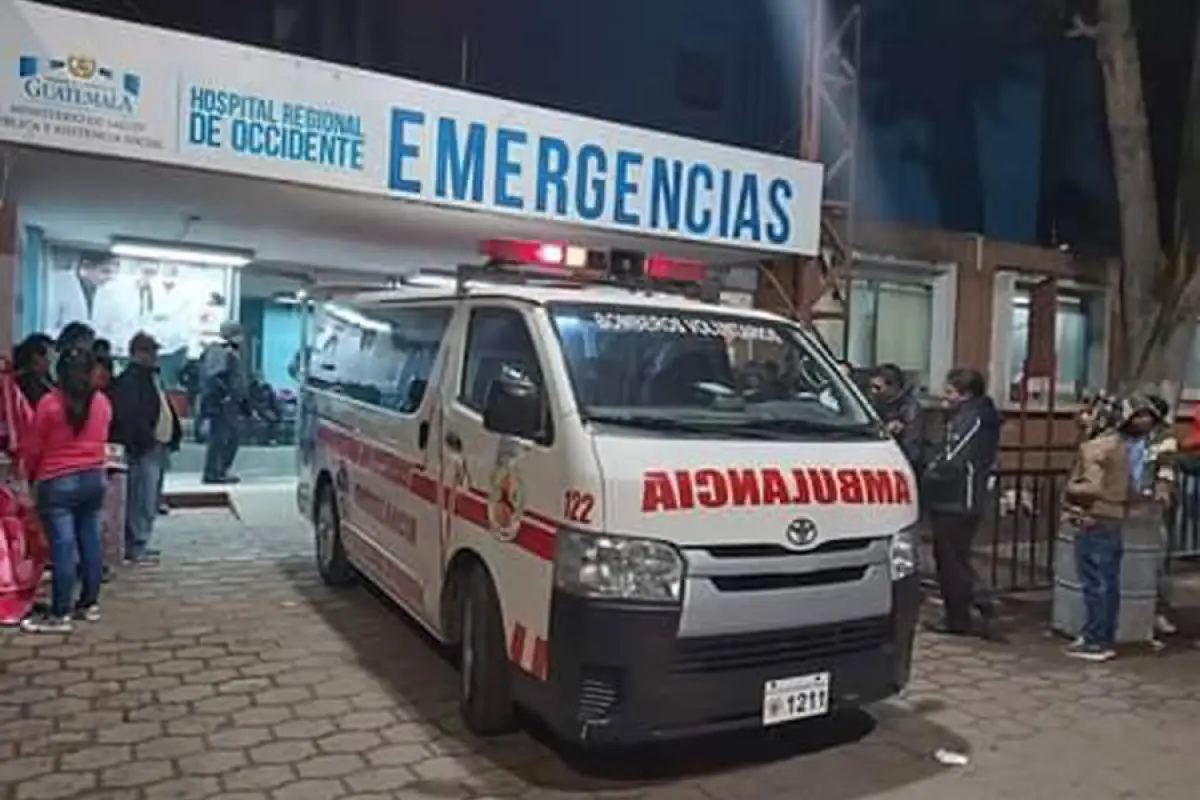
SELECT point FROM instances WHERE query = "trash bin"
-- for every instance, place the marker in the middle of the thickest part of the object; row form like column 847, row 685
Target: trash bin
column 112, row 519
column 1140, row 566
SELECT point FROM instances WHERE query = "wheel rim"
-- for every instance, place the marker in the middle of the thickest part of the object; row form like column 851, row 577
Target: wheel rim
column 468, row 649
column 324, row 530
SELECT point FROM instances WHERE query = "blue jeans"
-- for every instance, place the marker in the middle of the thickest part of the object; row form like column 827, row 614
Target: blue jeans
column 141, row 500
column 1098, row 550
column 70, row 508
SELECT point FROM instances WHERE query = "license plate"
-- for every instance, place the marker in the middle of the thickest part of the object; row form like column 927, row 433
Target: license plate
column 790, row 699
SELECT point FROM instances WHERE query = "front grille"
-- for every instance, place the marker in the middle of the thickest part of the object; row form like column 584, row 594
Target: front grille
column 793, row 580
column 772, row 648
column 779, row 551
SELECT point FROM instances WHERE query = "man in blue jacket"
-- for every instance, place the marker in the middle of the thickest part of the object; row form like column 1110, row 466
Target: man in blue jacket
column 955, row 487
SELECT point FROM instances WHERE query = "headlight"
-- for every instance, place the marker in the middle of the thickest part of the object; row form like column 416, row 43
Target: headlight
column 904, row 555
column 618, row 568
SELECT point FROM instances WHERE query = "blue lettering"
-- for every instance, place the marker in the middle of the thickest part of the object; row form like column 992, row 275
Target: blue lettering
column 590, row 204
column 779, row 195
column 664, row 193
column 402, row 150
column 698, row 217
column 748, row 219
column 204, row 129
column 626, row 187
column 726, row 202
column 506, row 167
column 553, row 158
column 460, row 168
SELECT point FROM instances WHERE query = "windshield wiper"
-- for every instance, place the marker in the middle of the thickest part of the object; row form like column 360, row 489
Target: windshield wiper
column 655, row 423
column 859, row 430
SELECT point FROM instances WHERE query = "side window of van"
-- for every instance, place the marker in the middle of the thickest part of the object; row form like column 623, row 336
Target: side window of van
column 379, row 355
column 497, row 338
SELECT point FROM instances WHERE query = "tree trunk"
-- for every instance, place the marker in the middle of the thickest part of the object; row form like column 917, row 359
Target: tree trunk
column 1142, row 331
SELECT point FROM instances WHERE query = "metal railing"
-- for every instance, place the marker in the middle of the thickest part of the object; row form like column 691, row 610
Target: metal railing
column 1014, row 548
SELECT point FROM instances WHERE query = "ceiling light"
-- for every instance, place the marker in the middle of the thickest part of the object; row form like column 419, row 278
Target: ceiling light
column 184, row 254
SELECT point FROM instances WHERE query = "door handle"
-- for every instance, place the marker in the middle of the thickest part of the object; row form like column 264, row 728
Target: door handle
column 454, row 441
column 423, row 434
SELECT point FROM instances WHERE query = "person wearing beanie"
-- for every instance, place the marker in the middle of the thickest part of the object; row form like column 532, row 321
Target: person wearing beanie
column 1116, row 469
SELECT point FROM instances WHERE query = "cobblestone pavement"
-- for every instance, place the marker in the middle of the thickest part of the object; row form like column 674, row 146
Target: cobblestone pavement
column 249, row 679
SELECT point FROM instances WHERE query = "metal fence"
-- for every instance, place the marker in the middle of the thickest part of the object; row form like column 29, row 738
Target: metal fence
column 1014, row 548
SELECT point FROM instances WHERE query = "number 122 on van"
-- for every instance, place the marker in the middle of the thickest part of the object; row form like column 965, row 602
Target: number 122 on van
column 790, row 699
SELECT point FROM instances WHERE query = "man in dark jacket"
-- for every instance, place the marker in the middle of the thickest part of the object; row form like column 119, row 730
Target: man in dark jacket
column 146, row 424
column 898, row 407
column 223, row 402
column 955, row 487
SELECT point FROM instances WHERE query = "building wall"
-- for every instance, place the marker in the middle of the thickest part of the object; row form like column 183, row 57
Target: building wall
column 972, row 119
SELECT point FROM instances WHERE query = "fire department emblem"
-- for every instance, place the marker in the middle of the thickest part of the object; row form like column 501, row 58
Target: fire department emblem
column 506, row 503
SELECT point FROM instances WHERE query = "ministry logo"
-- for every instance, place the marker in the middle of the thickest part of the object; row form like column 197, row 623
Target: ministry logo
column 79, row 82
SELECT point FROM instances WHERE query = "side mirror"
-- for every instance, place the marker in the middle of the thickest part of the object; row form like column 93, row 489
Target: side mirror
column 514, row 406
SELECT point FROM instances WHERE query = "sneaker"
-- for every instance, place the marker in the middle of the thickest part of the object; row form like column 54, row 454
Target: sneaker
column 88, row 614
column 1165, row 626
column 46, row 623
column 1090, row 652
column 146, row 557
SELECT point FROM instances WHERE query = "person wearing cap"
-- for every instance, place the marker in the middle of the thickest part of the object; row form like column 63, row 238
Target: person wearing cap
column 1116, row 469
column 223, row 402
column 146, row 424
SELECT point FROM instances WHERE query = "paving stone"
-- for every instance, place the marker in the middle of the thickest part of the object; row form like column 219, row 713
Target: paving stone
column 330, row 766
column 239, row 738
column 129, row 733
column 137, row 773
column 212, row 762
column 188, row 692
column 184, row 789
column 57, row 786
column 310, row 790
column 310, row 729
column 97, row 757
column 169, row 747
column 259, row 777
column 286, row 752
column 355, row 742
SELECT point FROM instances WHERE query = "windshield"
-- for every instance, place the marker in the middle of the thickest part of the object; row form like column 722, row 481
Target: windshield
column 703, row 370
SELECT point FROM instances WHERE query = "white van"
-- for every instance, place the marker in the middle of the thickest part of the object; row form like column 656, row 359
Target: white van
column 635, row 514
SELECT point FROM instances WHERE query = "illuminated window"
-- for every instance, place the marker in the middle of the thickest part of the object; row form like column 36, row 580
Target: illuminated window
column 891, row 322
column 1080, row 341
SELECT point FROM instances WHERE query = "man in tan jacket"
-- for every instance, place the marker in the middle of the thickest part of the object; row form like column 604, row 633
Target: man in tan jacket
column 1116, row 470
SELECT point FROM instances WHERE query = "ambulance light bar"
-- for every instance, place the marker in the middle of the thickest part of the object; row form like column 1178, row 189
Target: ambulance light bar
column 544, row 254
column 574, row 262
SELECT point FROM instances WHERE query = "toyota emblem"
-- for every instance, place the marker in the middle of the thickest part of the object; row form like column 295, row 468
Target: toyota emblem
column 802, row 533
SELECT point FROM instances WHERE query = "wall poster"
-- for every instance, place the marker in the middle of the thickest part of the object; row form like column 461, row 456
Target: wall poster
column 181, row 305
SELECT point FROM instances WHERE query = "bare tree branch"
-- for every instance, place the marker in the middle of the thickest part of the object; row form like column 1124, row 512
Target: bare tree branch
column 1080, row 29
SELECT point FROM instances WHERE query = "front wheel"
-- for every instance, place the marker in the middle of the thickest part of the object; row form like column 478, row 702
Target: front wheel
column 485, row 691
column 332, row 562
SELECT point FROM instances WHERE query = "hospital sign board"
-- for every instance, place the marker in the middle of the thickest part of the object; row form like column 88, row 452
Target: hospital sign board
column 105, row 87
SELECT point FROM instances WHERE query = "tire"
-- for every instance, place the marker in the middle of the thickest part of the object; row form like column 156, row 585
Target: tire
column 485, row 688
column 332, row 563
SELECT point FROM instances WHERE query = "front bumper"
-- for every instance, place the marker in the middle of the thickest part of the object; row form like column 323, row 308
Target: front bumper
column 619, row 673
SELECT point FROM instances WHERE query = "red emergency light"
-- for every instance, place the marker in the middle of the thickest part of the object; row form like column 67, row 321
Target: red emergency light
column 619, row 265
column 544, row 254
column 661, row 268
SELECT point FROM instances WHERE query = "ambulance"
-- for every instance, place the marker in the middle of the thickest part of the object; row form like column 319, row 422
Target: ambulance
column 633, row 512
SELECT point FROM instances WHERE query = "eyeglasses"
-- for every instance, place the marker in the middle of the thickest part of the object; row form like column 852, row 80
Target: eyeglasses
column 878, row 387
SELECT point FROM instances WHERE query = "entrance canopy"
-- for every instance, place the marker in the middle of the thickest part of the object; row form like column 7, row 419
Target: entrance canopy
column 86, row 200
column 367, row 158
